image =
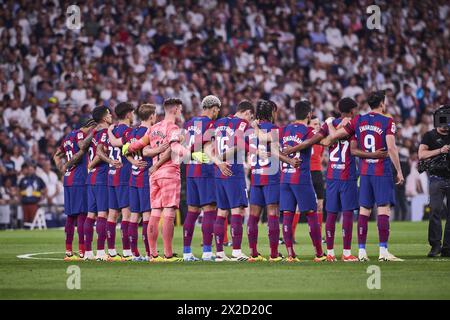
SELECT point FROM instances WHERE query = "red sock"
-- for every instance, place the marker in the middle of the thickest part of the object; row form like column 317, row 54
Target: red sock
column 133, row 235
column 314, row 233
column 274, row 235
column 236, row 231
column 209, row 218
column 330, row 228
column 88, row 233
column 124, row 233
column 219, row 235
column 252, row 233
column 288, row 217
column 225, row 235
column 347, row 228
column 362, row 230
column 111, row 234
column 294, row 224
column 80, row 229
column 69, row 230
column 100, row 227
column 320, row 218
column 144, row 237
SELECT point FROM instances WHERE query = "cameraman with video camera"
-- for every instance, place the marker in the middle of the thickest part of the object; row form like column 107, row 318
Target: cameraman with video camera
column 434, row 153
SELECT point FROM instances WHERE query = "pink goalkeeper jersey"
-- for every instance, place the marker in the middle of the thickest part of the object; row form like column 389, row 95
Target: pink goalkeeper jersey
column 159, row 134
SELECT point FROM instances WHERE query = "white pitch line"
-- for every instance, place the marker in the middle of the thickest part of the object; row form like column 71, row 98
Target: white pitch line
column 32, row 256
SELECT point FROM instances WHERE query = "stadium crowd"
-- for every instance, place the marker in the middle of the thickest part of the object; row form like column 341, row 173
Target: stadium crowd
column 139, row 51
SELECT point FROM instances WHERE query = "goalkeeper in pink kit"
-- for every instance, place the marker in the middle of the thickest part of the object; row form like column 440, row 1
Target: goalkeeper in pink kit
column 165, row 182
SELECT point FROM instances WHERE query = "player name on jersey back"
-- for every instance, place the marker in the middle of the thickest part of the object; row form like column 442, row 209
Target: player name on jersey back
column 292, row 135
column 370, row 131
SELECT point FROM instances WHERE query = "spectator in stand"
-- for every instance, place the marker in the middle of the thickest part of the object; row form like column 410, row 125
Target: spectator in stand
column 8, row 198
column 50, row 180
column 32, row 190
column 17, row 158
column 13, row 114
column 8, row 169
column 353, row 89
column 408, row 103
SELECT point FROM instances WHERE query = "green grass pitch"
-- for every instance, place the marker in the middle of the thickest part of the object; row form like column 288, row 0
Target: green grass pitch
column 416, row 278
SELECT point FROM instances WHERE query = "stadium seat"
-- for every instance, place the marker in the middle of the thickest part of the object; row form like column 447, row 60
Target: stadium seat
column 38, row 221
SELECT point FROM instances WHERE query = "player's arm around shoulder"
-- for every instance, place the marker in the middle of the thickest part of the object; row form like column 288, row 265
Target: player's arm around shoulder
column 102, row 154
column 138, row 144
column 163, row 158
column 113, row 140
column 316, row 138
column 83, row 140
column 176, row 141
column 325, row 132
column 211, row 152
column 346, row 128
column 148, row 151
column 355, row 151
column 75, row 159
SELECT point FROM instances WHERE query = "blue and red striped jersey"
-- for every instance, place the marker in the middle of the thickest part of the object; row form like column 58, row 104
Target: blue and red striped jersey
column 230, row 132
column 119, row 176
column 198, row 133
column 139, row 176
column 370, row 131
column 292, row 135
column 341, row 163
column 99, row 174
column 262, row 171
column 76, row 175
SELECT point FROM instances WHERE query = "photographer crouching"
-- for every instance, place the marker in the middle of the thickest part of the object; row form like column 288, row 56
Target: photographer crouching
column 434, row 156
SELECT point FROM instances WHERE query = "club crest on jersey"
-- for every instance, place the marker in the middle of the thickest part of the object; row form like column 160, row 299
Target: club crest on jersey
column 242, row 126
column 80, row 135
column 393, row 128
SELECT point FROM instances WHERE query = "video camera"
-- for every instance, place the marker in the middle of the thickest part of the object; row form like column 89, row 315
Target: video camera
column 439, row 164
column 442, row 116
